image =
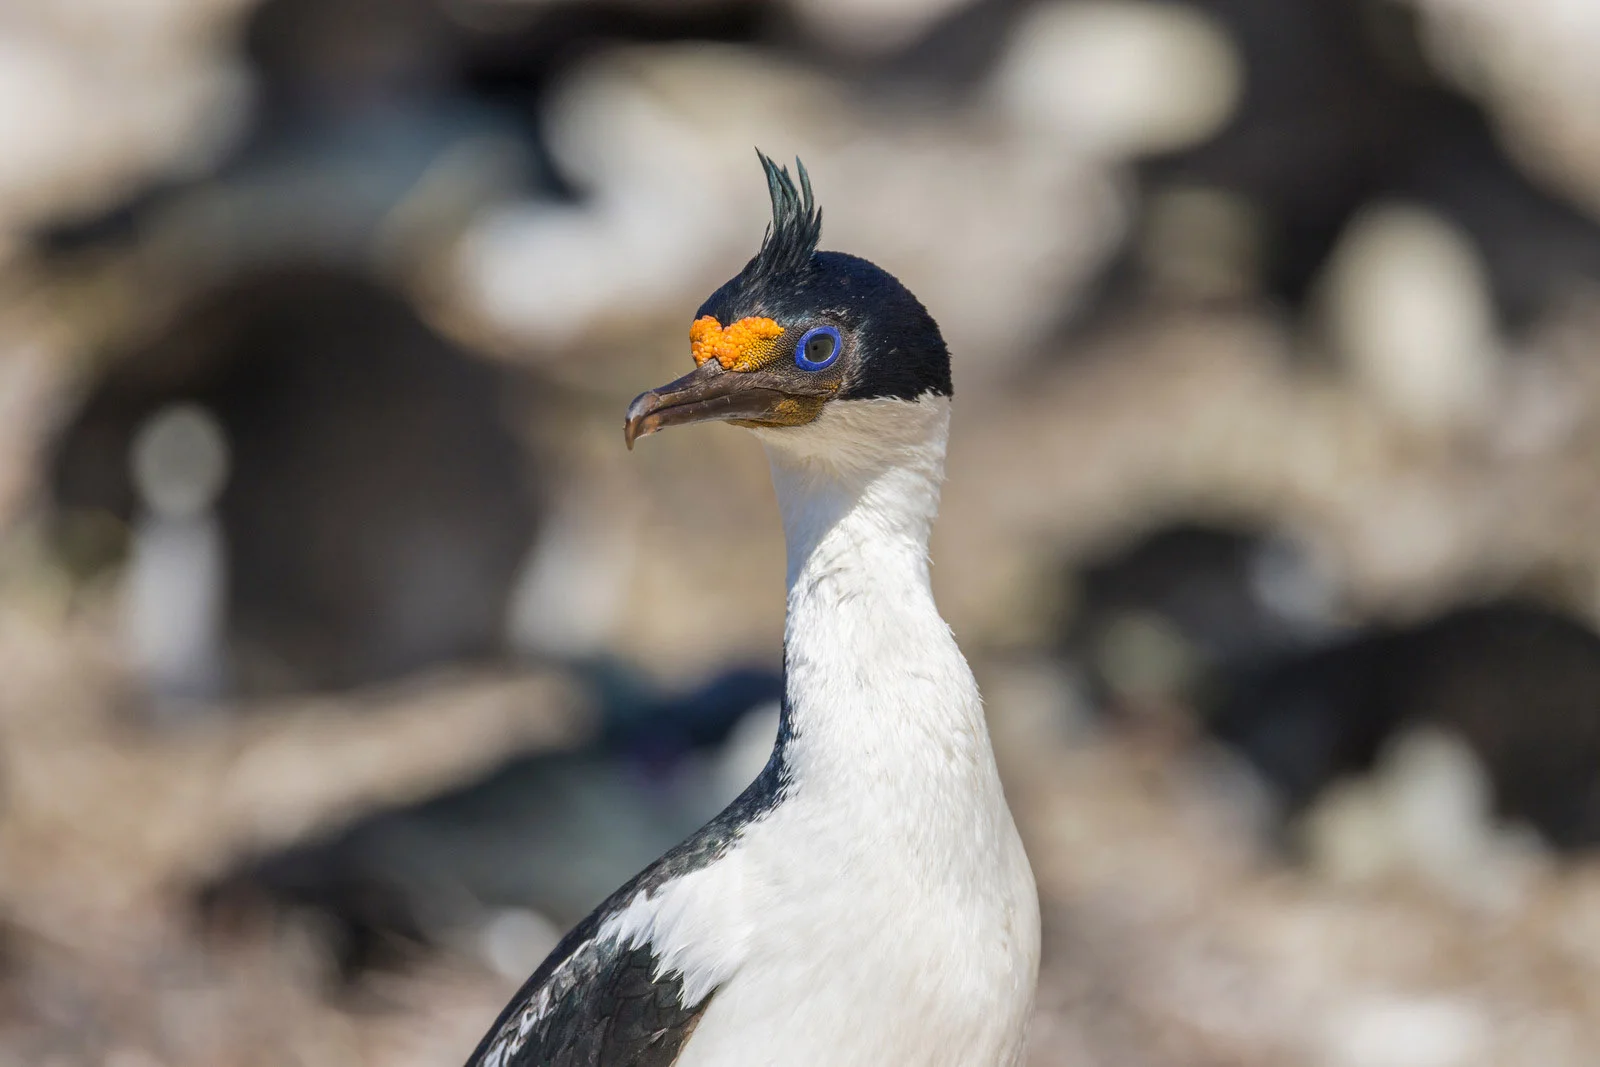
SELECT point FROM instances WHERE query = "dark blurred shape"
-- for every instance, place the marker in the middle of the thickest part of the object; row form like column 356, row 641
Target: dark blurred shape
column 650, row 729
column 1175, row 614
column 378, row 506
column 1519, row 682
column 954, row 55
column 515, row 52
column 362, row 104
column 1339, row 110
column 350, row 54
column 1235, row 627
column 325, row 63
column 552, row 832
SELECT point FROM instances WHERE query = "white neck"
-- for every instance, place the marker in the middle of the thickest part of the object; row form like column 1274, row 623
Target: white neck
column 881, row 911
column 862, row 480
column 877, row 689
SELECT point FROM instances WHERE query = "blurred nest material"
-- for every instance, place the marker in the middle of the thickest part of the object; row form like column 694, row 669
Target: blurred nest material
column 107, row 830
column 1171, row 942
column 1205, row 413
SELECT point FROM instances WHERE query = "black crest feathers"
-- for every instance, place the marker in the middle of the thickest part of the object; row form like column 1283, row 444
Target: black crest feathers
column 796, row 225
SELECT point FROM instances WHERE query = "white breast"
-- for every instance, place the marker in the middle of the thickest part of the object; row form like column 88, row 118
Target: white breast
column 866, row 961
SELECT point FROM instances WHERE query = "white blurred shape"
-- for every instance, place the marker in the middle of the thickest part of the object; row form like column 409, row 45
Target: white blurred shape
column 180, row 461
column 651, row 217
column 515, row 941
column 95, row 95
column 176, row 573
column 1532, row 63
column 1409, row 310
column 1406, row 1031
column 995, row 230
column 1293, row 582
column 747, row 749
column 554, row 270
column 1121, row 77
column 1424, row 814
column 1441, row 800
column 573, row 586
column 868, row 26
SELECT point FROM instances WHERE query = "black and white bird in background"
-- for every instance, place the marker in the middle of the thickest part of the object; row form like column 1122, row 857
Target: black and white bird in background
column 866, row 901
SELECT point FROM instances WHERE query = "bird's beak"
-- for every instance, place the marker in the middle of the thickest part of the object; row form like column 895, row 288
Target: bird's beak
column 709, row 393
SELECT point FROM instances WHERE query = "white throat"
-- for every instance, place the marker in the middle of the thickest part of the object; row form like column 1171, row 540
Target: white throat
column 864, row 477
column 877, row 688
column 882, row 911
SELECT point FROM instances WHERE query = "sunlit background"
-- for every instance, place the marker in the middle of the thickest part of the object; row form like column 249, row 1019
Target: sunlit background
column 346, row 656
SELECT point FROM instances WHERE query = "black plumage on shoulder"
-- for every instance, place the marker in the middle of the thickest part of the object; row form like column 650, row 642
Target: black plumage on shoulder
column 596, row 1003
column 593, row 1004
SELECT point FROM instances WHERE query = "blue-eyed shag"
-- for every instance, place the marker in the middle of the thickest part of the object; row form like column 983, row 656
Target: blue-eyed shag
column 866, row 902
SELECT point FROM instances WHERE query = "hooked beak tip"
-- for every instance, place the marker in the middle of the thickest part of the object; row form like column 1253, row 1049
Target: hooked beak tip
column 639, row 412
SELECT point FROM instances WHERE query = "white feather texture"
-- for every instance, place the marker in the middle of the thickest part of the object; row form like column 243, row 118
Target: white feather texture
column 884, row 913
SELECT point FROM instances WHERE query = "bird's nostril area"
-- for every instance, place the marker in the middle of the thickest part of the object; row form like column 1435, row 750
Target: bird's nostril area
column 642, row 405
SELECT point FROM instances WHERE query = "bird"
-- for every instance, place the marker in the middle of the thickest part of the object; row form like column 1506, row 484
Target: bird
column 867, row 900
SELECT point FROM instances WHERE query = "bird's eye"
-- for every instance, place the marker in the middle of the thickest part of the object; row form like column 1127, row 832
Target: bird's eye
column 818, row 348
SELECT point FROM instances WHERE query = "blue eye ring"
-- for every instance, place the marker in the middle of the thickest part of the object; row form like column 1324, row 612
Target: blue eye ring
column 805, row 362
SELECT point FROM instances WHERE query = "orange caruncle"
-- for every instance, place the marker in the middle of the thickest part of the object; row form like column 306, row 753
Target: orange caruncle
column 743, row 346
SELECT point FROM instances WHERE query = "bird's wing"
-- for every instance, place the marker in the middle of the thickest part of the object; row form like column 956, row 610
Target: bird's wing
column 592, row 1003
column 605, row 1001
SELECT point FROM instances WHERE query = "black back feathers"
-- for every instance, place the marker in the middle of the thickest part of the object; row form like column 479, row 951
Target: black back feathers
column 796, row 225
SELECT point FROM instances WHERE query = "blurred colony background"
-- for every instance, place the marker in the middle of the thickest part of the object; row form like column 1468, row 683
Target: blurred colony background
column 346, row 657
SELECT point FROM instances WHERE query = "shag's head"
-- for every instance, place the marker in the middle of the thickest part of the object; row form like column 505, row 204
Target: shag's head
column 798, row 332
